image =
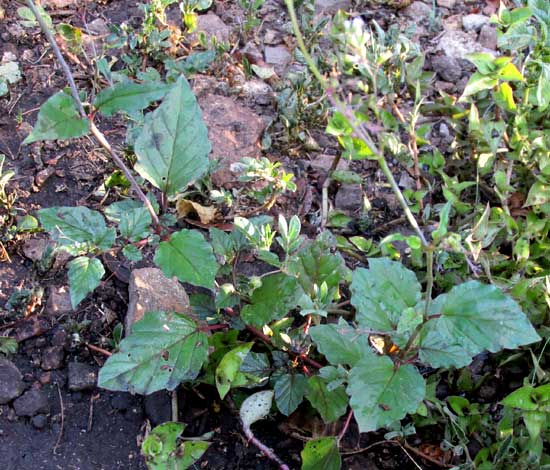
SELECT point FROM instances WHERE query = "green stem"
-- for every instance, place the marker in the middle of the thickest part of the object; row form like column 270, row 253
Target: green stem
column 429, row 280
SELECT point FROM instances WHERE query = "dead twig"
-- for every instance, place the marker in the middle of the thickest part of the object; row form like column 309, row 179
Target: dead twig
column 60, row 436
column 99, row 350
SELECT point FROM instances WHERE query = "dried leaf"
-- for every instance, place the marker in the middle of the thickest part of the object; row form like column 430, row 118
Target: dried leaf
column 206, row 213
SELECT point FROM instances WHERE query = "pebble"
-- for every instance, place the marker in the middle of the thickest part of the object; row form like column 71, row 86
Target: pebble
column 447, row 68
column 81, row 377
column 417, row 11
column 474, row 22
column 59, row 301
column 11, row 381
column 31, row 403
column 349, row 197
column 39, row 421
column 488, row 37
column 446, row 3
column 277, row 55
column 52, row 358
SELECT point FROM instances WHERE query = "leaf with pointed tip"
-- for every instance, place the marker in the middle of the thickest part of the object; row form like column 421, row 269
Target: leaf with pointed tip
column 129, row 97
column 84, row 276
column 58, row 118
column 172, row 148
column 163, row 350
column 289, row 392
column 229, row 366
column 331, row 404
column 321, row 454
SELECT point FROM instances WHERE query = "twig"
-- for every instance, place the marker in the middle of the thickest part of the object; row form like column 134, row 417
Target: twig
column 424, row 456
column 265, row 450
column 345, row 428
column 99, row 350
column 95, row 131
column 62, row 420
column 175, row 410
column 409, row 456
column 91, row 413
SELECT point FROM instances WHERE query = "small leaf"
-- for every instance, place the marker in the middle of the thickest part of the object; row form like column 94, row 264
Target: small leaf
column 330, row 404
column 478, row 83
column 206, row 213
column 132, row 253
column 135, row 224
column 58, row 118
column 382, row 393
column 163, row 350
column 538, row 194
column 289, row 392
column 189, row 257
column 172, row 148
column 277, row 295
column 84, row 276
column 347, row 177
column 229, row 366
column 321, row 454
column 129, row 97
column 504, row 96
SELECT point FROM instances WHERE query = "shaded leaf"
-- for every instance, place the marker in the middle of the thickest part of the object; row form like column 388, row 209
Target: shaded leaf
column 289, row 392
column 84, row 276
column 135, row 224
column 331, row 404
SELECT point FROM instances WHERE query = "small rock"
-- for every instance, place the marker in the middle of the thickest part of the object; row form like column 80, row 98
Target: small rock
column 11, row 381
column 151, row 291
column 324, row 7
column 277, row 55
column 31, row 403
column 458, row 45
column 417, row 11
column 257, row 90
column 452, row 23
column 488, row 37
column 406, row 181
column 16, row 31
column 234, row 131
column 211, row 25
column 271, row 37
column 59, row 301
column 323, row 163
column 34, row 248
column 98, row 26
column 444, row 130
column 446, row 3
column 349, row 197
column 474, row 22
column 58, row 3
column 252, row 53
column 81, row 377
column 447, row 68
column 158, row 407
column 39, row 421
column 52, row 358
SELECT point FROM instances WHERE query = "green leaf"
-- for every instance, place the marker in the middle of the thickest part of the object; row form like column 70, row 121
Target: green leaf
column 478, row 83
column 277, row 295
column 510, row 73
column 8, row 345
column 382, row 293
column 480, row 317
column 543, row 86
column 78, row 229
column 341, row 344
column 189, row 257
column 483, row 62
column 163, row 350
column 163, row 452
column 229, row 366
column 129, row 97
column 504, row 96
column 132, row 253
column 347, row 177
column 321, row 454
column 289, row 392
column 135, row 224
column 437, row 350
column 538, row 194
column 172, row 148
column 518, row 36
column 84, row 276
column 58, row 118
column 330, row 404
column 382, row 393
column 528, row 398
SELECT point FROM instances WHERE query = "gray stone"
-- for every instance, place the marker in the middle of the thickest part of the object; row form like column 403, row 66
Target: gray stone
column 59, row 301
column 323, row 7
column 81, row 377
column 52, row 358
column 235, row 132
column 349, row 198
column 488, row 37
column 31, row 403
column 258, row 91
column 323, row 163
column 406, row 181
column 34, row 248
column 446, row 3
column 58, row 3
column 11, row 381
column 474, row 22
column 277, row 55
column 39, row 421
column 151, row 291
column 458, row 45
column 98, row 26
column 417, row 11
column 211, row 25
column 447, row 68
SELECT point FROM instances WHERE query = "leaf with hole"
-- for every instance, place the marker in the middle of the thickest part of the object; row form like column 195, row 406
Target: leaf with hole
column 321, row 454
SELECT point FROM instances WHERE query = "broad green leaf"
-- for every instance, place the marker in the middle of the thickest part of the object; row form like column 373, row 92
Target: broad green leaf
column 163, row 350
column 540, row 9
column 84, row 276
column 277, row 295
column 172, row 148
column 528, row 398
column 135, row 224
column 189, row 257
column 382, row 293
column 510, row 73
column 504, row 96
column 518, row 36
column 341, row 344
column 477, row 83
column 289, row 392
column 132, row 253
column 321, row 454
column 330, row 404
column 58, row 118
column 229, row 366
column 382, row 393
column 483, row 62
column 480, row 317
column 163, row 452
column 78, row 229
column 347, row 177
column 439, row 351
column 129, row 97
column 9, row 74
column 255, row 370
column 543, row 86
column 538, row 194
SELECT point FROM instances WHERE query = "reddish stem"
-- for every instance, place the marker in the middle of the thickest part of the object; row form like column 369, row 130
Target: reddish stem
column 265, row 450
column 346, row 426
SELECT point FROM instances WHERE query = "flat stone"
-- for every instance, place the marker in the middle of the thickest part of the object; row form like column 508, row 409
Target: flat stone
column 31, row 403
column 58, row 3
column 98, row 26
column 52, row 358
column 81, row 377
column 474, row 22
column 417, row 10
column 488, row 37
column 151, row 291
column 34, row 248
column 458, row 44
column 323, row 163
column 258, row 91
column 59, row 301
column 11, row 381
column 278, row 56
column 211, row 25
column 446, row 3
column 235, row 132
column 323, row 7
column 349, row 198
column 447, row 68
